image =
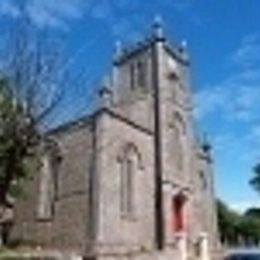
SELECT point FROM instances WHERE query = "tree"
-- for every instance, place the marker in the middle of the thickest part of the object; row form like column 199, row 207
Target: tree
column 228, row 222
column 31, row 88
column 255, row 181
column 237, row 228
column 34, row 81
column 249, row 229
column 253, row 212
column 18, row 137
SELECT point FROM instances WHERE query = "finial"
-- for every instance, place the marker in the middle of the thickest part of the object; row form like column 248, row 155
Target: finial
column 158, row 20
column 105, row 93
column 206, row 146
column 118, row 48
column 183, row 48
column 158, row 28
column 184, row 52
column 184, row 44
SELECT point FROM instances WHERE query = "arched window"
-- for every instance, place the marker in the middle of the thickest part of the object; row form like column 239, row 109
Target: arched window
column 132, row 77
column 48, row 181
column 178, row 140
column 176, row 147
column 203, row 180
column 141, row 74
column 129, row 175
column 129, row 167
column 45, row 207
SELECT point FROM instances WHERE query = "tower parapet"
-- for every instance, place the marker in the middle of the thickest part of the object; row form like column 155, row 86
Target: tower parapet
column 133, row 67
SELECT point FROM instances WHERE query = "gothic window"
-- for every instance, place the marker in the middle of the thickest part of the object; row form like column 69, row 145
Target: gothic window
column 178, row 140
column 48, row 183
column 55, row 177
column 127, row 192
column 179, row 151
column 137, row 75
column 129, row 185
column 45, row 204
column 177, row 148
column 203, row 180
column 132, row 77
column 129, row 166
column 141, row 74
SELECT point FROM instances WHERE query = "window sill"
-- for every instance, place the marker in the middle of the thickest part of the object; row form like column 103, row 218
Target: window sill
column 44, row 219
column 128, row 217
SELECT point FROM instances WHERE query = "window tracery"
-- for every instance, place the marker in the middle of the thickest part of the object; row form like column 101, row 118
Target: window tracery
column 49, row 181
column 130, row 162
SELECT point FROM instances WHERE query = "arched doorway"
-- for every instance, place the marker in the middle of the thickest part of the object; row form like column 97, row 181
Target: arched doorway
column 178, row 212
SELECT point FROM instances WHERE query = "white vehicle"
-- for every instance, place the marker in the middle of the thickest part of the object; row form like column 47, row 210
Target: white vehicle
column 243, row 254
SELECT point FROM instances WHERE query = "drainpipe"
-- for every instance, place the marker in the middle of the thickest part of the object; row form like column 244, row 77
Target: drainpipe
column 159, row 218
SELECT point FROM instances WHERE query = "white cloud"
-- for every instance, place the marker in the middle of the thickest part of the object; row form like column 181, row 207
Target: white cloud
column 8, row 8
column 231, row 107
column 120, row 16
column 231, row 100
column 45, row 13
column 55, row 13
column 248, row 53
column 237, row 96
column 242, row 206
column 60, row 13
column 208, row 100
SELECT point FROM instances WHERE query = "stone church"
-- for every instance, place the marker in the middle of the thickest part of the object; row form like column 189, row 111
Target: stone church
column 130, row 181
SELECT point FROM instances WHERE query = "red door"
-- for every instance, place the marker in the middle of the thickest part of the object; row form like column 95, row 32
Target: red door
column 178, row 213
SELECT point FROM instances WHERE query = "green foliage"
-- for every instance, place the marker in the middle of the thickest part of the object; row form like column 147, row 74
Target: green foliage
column 255, row 181
column 249, row 228
column 228, row 222
column 16, row 133
column 234, row 227
column 253, row 212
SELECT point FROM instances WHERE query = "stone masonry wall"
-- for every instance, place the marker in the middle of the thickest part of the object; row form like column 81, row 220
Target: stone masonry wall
column 67, row 228
column 116, row 232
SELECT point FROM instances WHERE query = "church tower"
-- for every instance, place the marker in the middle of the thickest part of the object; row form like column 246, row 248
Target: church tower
column 152, row 83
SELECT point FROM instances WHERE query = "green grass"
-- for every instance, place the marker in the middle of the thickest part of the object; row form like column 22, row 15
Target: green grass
column 8, row 254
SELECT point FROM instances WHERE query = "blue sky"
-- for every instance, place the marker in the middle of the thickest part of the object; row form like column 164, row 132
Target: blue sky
column 224, row 43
